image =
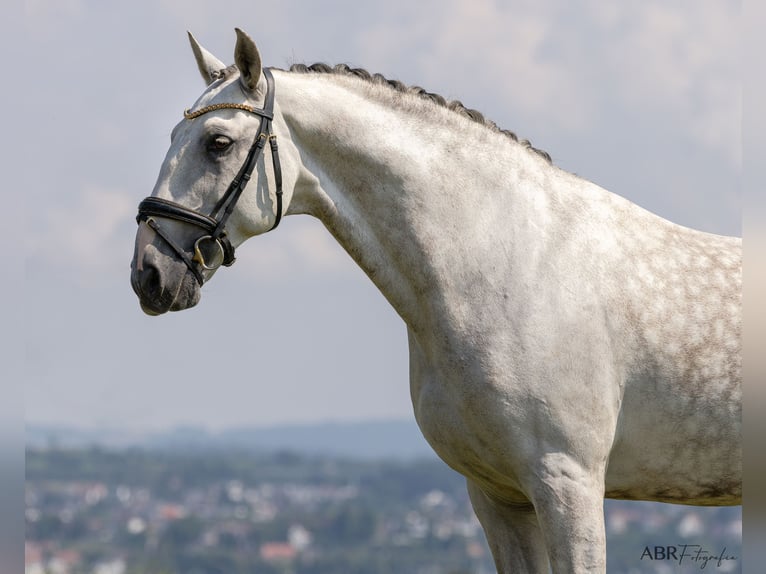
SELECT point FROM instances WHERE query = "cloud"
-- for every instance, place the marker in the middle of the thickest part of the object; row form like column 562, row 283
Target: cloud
column 86, row 236
column 668, row 56
column 301, row 245
column 483, row 46
column 564, row 64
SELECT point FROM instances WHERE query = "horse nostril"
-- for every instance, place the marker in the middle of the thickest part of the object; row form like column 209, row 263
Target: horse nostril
column 148, row 285
column 151, row 281
column 147, row 282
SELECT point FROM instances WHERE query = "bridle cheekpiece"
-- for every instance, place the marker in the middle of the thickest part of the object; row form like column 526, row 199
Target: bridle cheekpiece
column 214, row 248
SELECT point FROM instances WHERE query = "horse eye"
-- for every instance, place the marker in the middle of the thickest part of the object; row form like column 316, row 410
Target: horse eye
column 219, row 143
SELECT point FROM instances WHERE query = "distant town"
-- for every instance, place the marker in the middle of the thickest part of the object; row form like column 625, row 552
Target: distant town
column 133, row 510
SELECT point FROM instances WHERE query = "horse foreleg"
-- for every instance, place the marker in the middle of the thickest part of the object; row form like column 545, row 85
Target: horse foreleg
column 569, row 502
column 513, row 534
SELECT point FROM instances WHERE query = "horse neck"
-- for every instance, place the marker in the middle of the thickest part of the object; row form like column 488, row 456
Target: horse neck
column 418, row 195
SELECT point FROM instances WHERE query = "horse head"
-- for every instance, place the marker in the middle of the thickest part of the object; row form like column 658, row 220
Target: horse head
column 214, row 189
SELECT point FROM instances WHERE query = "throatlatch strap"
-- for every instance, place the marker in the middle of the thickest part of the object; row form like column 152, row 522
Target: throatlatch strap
column 277, row 179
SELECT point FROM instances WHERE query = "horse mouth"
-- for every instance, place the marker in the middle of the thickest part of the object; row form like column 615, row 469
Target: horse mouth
column 157, row 297
column 154, row 307
column 148, row 308
column 149, row 312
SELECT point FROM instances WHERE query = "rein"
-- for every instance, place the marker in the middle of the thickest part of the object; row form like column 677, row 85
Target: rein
column 214, row 249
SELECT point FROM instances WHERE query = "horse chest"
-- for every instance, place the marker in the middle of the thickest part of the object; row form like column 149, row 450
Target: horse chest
column 481, row 428
column 468, row 438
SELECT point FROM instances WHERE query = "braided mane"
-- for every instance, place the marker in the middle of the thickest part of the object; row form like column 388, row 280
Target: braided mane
column 454, row 105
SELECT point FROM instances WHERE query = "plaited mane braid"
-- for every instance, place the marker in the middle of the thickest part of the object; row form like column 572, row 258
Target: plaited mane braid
column 379, row 79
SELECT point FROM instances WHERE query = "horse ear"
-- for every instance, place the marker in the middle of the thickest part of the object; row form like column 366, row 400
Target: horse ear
column 248, row 60
column 206, row 62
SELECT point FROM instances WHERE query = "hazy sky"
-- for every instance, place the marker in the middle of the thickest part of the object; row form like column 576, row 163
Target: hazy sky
column 641, row 97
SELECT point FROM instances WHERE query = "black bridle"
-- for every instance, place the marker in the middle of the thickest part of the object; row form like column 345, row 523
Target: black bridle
column 214, row 249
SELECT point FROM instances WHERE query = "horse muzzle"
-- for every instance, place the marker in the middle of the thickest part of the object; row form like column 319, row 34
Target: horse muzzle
column 161, row 282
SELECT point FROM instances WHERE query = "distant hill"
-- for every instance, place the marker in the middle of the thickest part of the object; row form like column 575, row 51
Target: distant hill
column 395, row 439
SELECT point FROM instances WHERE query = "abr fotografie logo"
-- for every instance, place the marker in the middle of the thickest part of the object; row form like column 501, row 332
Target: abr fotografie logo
column 689, row 554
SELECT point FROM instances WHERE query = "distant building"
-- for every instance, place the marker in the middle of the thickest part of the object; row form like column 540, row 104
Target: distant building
column 299, row 538
column 278, row 552
column 113, row 567
column 33, row 559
